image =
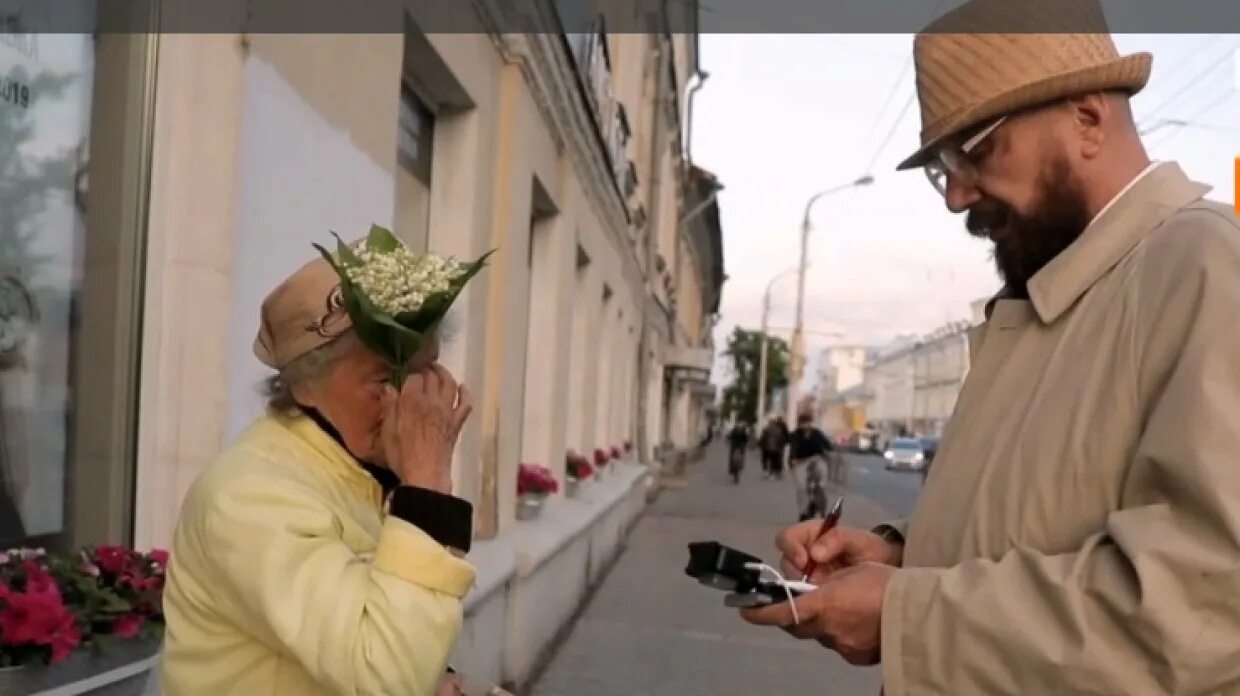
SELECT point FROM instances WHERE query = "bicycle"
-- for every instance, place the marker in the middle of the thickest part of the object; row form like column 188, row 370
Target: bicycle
column 813, row 491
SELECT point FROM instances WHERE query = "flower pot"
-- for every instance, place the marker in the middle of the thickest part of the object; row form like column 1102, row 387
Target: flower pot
column 15, row 681
column 529, row 506
column 571, row 485
column 82, row 665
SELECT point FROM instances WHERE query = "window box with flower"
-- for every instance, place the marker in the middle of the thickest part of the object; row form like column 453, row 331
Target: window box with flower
column 601, row 458
column 578, row 469
column 534, row 484
column 67, row 617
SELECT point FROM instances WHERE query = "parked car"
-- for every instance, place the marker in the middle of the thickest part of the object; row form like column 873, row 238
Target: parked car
column 905, row 453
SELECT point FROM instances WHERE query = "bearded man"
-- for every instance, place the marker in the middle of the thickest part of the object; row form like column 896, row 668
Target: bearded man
column 1080, row 531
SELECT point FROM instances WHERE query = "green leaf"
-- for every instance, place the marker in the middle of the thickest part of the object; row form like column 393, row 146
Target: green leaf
column 347, row 257
column 331, row 260
column 382, row 240
column 381, row 333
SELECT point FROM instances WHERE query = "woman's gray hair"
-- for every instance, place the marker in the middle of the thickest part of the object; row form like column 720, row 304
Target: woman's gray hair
column 305, row 369
column 278, row 388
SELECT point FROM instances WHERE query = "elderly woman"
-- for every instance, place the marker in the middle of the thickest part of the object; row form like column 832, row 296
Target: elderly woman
column 322, row 553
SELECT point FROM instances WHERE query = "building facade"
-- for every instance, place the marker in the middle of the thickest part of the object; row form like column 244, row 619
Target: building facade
column 940, row 365
column 167, row 182
column 891, row 381
column 908, row 387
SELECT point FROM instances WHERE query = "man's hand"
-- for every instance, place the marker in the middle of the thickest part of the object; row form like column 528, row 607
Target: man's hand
column 840, row 548
column 843, row 614
column 421, row 425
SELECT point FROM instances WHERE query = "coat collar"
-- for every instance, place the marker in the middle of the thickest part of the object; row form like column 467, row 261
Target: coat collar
column 1115, row 232
column 332, row 454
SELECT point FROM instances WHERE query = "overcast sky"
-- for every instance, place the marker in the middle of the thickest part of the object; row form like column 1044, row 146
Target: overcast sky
column 782, row 117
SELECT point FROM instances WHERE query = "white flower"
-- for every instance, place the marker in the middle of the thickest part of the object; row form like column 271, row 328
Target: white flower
column 400, row 281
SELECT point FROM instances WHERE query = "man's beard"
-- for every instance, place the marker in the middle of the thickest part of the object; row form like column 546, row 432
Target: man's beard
column 1024, row 244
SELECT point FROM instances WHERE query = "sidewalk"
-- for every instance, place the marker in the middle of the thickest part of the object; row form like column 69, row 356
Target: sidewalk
column 652, row 631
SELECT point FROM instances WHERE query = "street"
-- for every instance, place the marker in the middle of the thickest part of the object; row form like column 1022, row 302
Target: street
column 652, row 630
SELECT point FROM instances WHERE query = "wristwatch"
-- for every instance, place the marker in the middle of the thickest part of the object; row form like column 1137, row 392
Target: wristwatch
column 889, row 534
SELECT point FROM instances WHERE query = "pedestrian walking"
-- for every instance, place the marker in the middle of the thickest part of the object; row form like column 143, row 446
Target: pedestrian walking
column 773, row 442
column 739, row 439
column 323, row 553
column 1081, row 534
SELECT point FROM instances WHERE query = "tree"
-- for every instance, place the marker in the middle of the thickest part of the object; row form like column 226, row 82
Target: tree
column 740, row 398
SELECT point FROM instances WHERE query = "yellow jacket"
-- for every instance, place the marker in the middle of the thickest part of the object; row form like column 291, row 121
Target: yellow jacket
column 286, row 579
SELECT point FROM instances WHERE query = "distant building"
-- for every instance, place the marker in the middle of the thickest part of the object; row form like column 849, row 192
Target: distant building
column 940, row 364
column 909, row 386
column 891, row 382
column 840, row 368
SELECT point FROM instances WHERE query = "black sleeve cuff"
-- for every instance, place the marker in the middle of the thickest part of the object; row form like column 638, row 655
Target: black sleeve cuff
column 447, row 519
column 889, row 533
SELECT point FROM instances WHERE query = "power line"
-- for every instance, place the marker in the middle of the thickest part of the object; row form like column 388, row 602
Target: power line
column 935, row 11
column 891, row 133
column 1195, row 80
column 891, row 93
column 1198, row 114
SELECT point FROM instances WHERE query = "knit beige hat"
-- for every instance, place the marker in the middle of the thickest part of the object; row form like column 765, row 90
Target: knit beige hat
column 967, row 74
column 304, row 312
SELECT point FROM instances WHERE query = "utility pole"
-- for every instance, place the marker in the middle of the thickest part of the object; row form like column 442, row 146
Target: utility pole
column 762, row 351
column 797, row 359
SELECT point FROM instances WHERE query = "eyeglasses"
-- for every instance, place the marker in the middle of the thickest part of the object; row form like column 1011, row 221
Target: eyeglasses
column 955, row 161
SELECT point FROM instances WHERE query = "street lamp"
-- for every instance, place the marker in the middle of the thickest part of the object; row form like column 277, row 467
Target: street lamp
column 797, row 356
column 766, row 308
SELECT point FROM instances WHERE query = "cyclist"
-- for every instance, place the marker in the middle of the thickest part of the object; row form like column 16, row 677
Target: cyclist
column 808, row 448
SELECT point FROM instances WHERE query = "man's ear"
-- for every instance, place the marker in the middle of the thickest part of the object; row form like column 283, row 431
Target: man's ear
column 1091, row 113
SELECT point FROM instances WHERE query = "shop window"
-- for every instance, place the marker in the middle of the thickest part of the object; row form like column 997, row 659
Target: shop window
column 69, row 297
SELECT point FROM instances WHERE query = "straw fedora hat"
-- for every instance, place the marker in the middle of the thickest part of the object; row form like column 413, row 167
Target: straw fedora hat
column 968, row 72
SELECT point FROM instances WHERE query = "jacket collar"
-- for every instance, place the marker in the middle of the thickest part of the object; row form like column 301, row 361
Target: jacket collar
column 1136, row 212
column 314, row 431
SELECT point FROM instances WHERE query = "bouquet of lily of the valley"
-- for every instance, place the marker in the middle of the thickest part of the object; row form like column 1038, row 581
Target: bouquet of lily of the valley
column 395, row 298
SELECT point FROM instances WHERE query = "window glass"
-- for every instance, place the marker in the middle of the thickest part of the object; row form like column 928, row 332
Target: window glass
column 45, row 97
column 415, row 142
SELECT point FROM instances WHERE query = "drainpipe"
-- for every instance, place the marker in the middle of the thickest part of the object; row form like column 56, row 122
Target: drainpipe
column 702, row 76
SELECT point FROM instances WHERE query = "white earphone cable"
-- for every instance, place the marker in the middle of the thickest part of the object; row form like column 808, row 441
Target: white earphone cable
column 764, row 568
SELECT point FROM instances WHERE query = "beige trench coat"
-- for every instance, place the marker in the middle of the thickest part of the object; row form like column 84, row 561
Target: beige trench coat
column 1080, row 530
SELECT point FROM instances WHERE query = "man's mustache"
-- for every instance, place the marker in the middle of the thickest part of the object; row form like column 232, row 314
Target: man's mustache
column 986, row 217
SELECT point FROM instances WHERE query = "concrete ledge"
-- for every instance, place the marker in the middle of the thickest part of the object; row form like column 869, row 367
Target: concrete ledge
column 564, row 519
column 495, row 561
column 534, row 576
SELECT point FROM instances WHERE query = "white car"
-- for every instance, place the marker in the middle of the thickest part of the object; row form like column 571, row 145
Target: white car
column 905, row 453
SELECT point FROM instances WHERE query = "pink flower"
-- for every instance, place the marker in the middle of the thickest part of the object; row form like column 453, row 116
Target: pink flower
column 66, row 637
column 39, row 619
column 39, row 581
column 112, row 559
column 127, row 626
column 159, row 557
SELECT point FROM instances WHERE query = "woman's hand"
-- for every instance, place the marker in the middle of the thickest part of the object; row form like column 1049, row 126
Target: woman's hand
column 450, row 685
column 421, row 425
column 841, row 547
